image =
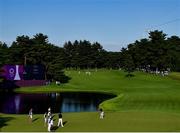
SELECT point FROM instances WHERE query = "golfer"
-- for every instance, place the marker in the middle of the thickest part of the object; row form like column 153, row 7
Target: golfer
column 60, row 120
column 50, row 124
column 30, row 115
column 101, row 113
column 45, row 118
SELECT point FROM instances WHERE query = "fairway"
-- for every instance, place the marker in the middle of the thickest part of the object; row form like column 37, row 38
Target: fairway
column 141, row 92
column 145, row 102
column 113, row 121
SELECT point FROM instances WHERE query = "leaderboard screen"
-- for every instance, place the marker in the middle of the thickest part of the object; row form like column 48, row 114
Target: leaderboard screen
column 34, row 72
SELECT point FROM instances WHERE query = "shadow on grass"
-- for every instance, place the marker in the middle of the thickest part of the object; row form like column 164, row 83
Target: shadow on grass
column 53, row 116
column 129, row 75
column 64, row 123
column 35, row 119
column 54, row 128
column 4, row 120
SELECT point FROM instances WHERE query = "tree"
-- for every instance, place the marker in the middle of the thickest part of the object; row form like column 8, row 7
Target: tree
column 19, row 49
column 40, row 39
column 83, row 54
column 174, row 52
column 56, row 72
column 159, row 50
column 3, row 54
column 155, row 53
column 68, row 51
column 128, row 62
column 36, row 50
column 96, row 52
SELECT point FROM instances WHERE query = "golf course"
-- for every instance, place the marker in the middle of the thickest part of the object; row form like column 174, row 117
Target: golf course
column 145, row 102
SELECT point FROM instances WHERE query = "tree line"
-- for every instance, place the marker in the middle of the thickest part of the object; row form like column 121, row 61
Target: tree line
column 157, row 52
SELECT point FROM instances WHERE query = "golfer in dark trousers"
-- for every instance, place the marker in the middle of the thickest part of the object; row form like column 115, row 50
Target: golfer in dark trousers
column 60, row 120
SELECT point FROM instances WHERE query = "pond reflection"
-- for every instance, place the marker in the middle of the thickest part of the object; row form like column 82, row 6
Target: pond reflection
column 59, row 102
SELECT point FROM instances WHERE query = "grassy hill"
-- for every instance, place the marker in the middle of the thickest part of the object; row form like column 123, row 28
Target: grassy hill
column 145, row 102
column 141, row 92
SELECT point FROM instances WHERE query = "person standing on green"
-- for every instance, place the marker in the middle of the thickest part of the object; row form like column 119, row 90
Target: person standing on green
column 101, row 113
column 60, row 120
column 30, row 115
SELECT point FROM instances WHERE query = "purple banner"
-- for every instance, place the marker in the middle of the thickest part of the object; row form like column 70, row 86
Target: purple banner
column 13, row 72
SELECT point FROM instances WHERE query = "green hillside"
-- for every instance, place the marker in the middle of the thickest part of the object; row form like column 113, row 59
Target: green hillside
column 145, row 102
column 141, row 92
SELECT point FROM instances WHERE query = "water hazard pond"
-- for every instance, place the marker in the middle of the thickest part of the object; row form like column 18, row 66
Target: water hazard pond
column 18, row 103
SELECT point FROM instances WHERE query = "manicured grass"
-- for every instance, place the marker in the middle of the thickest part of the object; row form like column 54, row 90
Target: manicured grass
column 175, row 75
column 145, row 102
column 89, row 121
column 142, row 92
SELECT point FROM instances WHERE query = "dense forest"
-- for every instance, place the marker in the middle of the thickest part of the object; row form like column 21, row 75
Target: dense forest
column 155, row 53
